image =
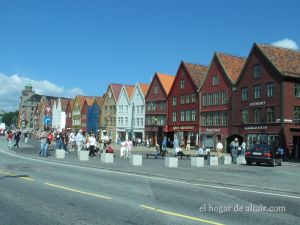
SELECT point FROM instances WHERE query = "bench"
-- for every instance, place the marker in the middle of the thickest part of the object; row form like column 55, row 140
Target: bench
column 150, row 154
column 181, row 156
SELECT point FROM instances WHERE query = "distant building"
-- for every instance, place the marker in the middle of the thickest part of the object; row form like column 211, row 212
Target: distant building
column 2, row 112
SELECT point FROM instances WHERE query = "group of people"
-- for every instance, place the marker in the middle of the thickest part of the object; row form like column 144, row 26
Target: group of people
column 126, row 148
column 13, row 134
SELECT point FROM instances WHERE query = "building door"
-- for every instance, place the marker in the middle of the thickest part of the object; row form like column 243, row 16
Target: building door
column 296, row 147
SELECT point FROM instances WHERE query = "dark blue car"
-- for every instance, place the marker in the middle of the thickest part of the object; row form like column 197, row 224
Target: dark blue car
column 262, row 153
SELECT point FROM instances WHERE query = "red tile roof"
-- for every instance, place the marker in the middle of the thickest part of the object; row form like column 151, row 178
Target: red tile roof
column 286, row 61
column 144, row 88
column 166, row 81
column 232, row 65
column 99, row 100
column 89, row 101
column 197, row 72
column 129, row 89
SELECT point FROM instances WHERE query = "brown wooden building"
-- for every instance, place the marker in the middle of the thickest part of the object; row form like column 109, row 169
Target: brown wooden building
column 266, row 104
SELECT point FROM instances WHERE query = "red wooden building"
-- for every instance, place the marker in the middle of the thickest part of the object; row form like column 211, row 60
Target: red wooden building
column 215, row 99
column 183, row 103
column 157, row 107
column 267, row 98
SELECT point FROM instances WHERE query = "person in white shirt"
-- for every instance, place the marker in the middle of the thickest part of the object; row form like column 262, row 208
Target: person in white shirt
column 80, row 140
column 123, row 150
column 92, row 144
column 219, row 149
column 72, row 141
column 129, row 145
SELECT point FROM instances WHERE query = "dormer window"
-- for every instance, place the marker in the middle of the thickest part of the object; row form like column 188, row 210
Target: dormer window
column 215, row 80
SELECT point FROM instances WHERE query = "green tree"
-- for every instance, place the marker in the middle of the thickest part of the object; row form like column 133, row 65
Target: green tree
column 10, row 118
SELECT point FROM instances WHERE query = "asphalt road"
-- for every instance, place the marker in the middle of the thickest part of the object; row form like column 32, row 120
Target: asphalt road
column 35, row 191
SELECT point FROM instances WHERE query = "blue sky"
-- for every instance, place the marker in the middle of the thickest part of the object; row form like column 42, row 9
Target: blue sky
column 86, row 44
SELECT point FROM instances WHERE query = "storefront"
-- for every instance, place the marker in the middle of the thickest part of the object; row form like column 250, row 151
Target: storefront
column 209, row 137
column 185, row 134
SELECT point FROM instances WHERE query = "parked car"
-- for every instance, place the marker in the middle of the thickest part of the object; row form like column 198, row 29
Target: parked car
column 262, row 153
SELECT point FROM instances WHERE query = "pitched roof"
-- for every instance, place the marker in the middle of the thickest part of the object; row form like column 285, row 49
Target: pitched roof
column 81, row 100
column 99, row 100
column 89, row 101
column 144, row 88
column 197, row 72
column 64, row 104
column 286, row 61
column 129, row 89
column 166, row 81
column 232, row 65
column 116, row 89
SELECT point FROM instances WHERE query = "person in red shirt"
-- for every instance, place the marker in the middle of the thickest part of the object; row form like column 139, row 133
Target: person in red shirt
column 9, row 139
column 49, row 139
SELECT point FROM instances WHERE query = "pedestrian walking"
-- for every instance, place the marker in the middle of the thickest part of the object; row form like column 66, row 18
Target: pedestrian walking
column 234, row 146
column 80, row 140
column 219, row 149
column 92, row 144
column 9, row 139
column 17, row 138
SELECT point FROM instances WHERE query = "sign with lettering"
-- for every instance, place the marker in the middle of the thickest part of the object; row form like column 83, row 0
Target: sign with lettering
column 257, row 103
column 256, row 128
column 184, row 128
column 212, row 130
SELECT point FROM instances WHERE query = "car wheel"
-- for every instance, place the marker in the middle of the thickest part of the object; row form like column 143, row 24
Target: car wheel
column 273, row 163
column 248, row 163
column 280, row 162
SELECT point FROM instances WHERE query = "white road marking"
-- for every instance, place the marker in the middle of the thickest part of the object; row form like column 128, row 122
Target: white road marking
column 157, row 178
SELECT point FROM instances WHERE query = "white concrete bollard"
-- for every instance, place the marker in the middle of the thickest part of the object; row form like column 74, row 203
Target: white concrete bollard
column 241, row 160
column 171, row 162
column 226, row 159
column 107, row 158
column 136, row 160
column 83, row 155
column 60, row 153
column 213, row 161
column 197, row 161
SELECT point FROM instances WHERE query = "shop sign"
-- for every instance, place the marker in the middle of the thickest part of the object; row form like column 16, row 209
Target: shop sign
column 212, row 130
column 256, row 128
column 257, row 103
column 184, row 128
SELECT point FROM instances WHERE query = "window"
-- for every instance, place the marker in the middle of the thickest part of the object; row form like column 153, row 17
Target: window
column 137, row 109
column 121, row 121
column 217, row 119
column 244, row 94
column 224, row 98
column 188, row 115
column 181, row 84
column 204, row 120
column 142, row 109
column 257, row 112
column 182, row 99
column 174, row 119
column 297, row 90
column 210, row 119
column 153, row 106
column 217, row 98
column 204, row 100
column 182, row 116
column 215, row 80
column 120, row 109
column 174, row 101
column 163, row 105
column 187, row 99
column 224, row 119
column 193, row 98
column 297, row 114
column 270, row 89
column 126, row 109
column 210, row 99
column 245, row 116
column 155, row 90
column 194, row 115
column 149, row 106
column 257, row 92
column 257, row 71
column 270, row 114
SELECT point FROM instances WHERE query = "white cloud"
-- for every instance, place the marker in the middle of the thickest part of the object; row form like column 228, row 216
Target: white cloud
column 286, row 43
column 11, row 89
